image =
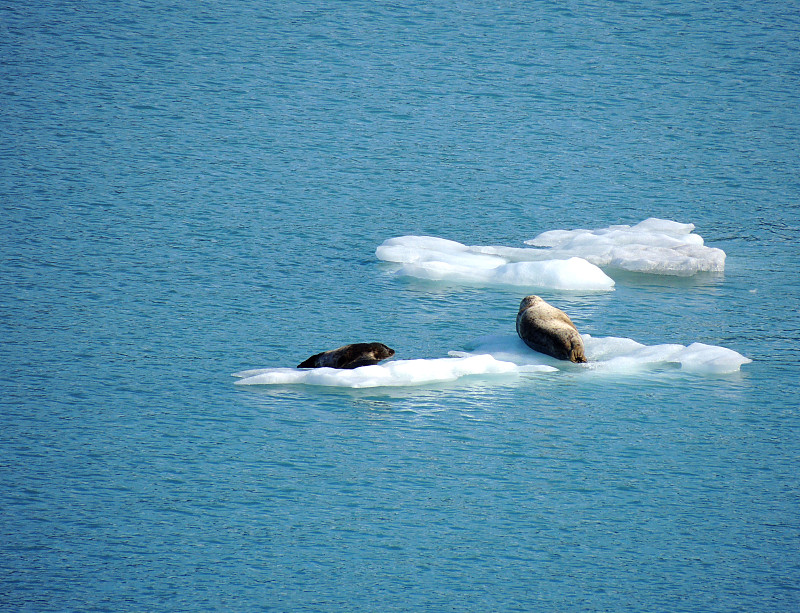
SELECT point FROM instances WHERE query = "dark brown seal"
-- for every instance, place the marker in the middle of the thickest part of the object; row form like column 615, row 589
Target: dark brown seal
column 349, row 356
column 546, row 329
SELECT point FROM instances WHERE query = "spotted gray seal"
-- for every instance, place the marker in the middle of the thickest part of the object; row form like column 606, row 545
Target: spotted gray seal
column 546, row 329
column 349, row 356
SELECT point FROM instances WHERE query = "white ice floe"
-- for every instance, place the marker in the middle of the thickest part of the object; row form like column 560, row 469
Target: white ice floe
column 438, row 259
column 619, row 355
column 656, row 246
column 559, row 259
column 509, row 356
column 390, row 374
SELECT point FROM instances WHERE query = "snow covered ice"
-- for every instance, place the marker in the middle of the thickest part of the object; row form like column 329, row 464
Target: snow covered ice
column 508, row 355
column 559, row 259
column 392, row 374
column 617, row 355
column 655, row 246
column 438, row 259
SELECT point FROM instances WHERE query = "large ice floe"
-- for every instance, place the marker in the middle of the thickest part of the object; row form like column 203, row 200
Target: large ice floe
column 508, row 356
column 390, row 374
column 616, row 355
column 655, row 246
column 439, row 259
column 559, row 259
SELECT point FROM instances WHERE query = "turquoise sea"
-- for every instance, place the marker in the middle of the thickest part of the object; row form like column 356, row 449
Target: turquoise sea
column 193, row 189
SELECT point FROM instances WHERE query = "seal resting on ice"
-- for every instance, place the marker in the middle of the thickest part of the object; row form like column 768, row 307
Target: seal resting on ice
column 546, row 329
column 349, row 356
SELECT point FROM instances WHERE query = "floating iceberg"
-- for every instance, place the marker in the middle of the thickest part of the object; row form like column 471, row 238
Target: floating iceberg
column 615, row 354
column 391, row 374
column 655, row 246
column 508, row 355
column 438, row 259
column 559, row 259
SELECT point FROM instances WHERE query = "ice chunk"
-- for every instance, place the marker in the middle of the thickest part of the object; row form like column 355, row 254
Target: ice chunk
column 393, row 374
column 570, row 274
column 710, row 359
column 436, row 259
column 420, row 249
column 656, row 246
column 615, row 354
column 508, row 355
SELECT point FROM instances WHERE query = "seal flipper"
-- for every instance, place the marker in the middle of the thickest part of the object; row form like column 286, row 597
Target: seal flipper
column 359, row 362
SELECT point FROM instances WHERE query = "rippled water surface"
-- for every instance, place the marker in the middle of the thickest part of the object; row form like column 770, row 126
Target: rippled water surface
column 190, row 190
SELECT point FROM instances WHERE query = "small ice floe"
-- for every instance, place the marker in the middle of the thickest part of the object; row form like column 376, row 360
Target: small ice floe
column 507, row 356
column 391, row 374
column 559, row 259
column 618, row 355
column 438, row 259
column 655, row 246
column 626, row 354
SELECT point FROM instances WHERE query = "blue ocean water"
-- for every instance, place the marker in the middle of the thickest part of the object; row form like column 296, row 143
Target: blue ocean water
column 192, row 189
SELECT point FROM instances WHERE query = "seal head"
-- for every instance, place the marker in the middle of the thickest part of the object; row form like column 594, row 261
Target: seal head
column 349, row 356
column 546, row 329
